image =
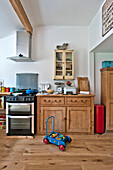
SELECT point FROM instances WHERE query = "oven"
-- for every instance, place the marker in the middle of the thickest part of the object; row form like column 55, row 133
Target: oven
column 20, row 118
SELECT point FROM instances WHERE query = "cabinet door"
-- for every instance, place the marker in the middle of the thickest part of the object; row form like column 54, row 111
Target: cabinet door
column 59, row 65
column 59, row 115
column 64, row 64
column 109, row 118
column 110, row 84
column 78, row 119
column 69, row 65
column 109, row 101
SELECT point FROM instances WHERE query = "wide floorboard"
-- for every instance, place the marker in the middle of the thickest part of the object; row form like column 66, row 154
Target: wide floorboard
column 85, row 152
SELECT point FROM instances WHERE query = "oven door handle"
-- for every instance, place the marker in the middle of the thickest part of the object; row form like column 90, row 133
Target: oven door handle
column 19, row 117
column 24, row 104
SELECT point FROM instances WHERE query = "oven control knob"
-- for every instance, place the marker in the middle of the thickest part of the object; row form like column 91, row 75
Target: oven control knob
column 24, row 99
column 29, row 99
column 16, row 98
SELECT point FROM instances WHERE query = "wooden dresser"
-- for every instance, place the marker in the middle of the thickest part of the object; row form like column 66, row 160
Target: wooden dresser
column 107, row 96
column 73, row 113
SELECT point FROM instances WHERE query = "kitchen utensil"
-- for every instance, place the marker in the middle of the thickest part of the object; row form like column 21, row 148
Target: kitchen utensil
column 83, row 84
column 68, row 83
column 18, row 90
column 31, row 91
column 59, row 89
column 50, row 91
column 7, row 89
column 69, row 90
column 47, row 86
column 58, row 83
column 12, row 89
column 16, row 94
column 44, row 87
column 2, row 89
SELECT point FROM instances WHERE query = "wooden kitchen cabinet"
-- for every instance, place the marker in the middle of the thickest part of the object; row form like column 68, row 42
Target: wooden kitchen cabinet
column 59, row 115
column 64, row 65
column 107, row 96
column 73, row 113
column 78, row 119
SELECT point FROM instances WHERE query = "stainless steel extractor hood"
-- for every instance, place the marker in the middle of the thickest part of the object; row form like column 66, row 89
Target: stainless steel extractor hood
column 23, row 47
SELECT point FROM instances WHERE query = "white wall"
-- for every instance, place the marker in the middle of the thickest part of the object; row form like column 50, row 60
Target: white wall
column 95, row 31
column 99, row 57
column 45, row 40
column 94, row 39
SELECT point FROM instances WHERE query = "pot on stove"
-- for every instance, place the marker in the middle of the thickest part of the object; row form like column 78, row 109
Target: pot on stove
column 31, row 91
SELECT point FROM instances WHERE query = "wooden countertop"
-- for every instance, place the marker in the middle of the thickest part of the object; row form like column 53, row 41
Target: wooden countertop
column 64, row 95
column 4, row 93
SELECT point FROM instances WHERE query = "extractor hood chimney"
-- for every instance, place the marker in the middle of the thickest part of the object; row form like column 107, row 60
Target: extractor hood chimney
column 23, row 47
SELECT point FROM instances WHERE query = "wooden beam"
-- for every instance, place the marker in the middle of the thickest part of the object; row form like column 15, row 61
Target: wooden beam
column 17, row 6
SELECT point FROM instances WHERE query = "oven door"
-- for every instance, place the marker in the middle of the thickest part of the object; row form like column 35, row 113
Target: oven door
column 19, row 109
column 20, row 125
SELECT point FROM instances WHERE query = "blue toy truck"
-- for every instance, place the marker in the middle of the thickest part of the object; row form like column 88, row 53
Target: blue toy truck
column 56, row 138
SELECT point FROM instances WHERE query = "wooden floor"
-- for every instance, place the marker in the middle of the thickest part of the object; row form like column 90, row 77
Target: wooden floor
column 85, row 152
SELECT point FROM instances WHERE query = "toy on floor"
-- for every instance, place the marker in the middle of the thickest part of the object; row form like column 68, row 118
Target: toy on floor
column 56, row 138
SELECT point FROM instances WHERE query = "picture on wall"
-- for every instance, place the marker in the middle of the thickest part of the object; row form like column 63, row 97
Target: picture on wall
column 107, row 17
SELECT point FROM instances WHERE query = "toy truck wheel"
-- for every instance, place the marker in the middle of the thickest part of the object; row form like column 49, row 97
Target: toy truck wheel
column 45, row 141
column 61, row 147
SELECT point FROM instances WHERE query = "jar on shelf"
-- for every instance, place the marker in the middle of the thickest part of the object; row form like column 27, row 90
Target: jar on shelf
column 7, row 89
column 3, row 89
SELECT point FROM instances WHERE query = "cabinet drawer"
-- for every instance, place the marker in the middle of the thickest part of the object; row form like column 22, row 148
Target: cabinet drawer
column 78, row 101
column 52, row 100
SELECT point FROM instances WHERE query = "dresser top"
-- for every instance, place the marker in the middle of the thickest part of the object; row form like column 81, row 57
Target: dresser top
column 107, row 69
column 63, row 95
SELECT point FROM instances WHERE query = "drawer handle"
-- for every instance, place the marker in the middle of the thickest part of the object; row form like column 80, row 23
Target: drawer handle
column 57, row 101
column 83, row 101
column 73, row 101
column 47, row 101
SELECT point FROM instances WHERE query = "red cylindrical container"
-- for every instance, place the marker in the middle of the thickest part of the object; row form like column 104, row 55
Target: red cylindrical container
column 7, row 89
column 99, row 118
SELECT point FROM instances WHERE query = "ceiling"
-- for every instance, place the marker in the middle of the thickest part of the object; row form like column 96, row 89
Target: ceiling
column 52, row 13
column 9, row 22
column 61, row 12
column 48, row 13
